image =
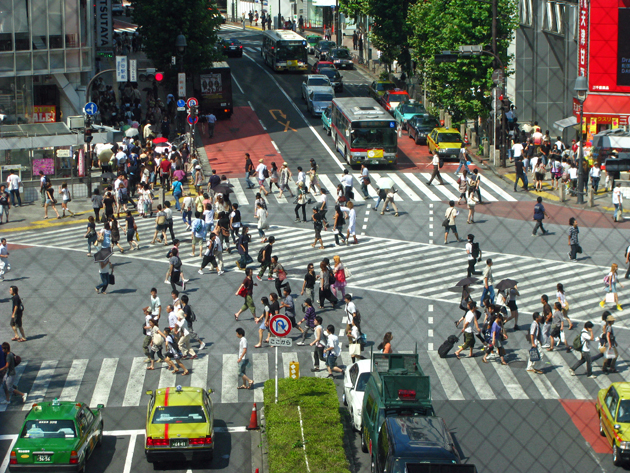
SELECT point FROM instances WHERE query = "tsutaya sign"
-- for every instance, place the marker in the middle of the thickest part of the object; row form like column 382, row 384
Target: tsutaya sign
column 104, row 24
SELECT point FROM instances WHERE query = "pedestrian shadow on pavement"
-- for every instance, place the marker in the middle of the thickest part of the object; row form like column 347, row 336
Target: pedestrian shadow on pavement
column 36, row 337
column 123, row 291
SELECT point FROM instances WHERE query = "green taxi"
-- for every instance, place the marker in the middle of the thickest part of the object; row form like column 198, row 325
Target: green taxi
column 180, row 425
column 406, row 110
column 312, row 40
column 613, row 410
column 57, row 436
column 327, row 119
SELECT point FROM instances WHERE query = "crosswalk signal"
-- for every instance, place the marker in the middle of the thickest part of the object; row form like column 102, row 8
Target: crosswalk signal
column 446, row 56
column 193, row 112
column 87, row 135
column 159, row 76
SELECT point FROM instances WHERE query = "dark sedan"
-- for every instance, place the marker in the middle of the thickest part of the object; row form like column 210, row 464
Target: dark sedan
column 335, row 78
column 341, row 58
column 232, row 47
column 419, row 127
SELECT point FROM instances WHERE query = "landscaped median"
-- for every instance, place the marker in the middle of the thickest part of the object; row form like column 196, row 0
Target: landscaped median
column 323, row 446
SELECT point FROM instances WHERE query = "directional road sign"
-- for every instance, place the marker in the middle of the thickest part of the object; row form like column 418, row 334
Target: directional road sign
column 192, row 121
column 192, row 102
column 280, row 325
column 280, row 342
column 90, row 108
column 181, row 103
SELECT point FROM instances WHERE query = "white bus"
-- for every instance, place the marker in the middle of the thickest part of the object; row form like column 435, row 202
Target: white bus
column 284, row 50
column 363, row 131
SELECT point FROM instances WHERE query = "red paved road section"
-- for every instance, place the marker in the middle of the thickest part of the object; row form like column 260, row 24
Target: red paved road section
column 584, row 417
column 416, row 158
column 558, row 214
column 12, row 247
column 233, row 138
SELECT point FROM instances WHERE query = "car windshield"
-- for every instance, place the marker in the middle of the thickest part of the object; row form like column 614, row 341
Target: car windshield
column 179, row 415
column 385, row 86
column 412, row 108
column 395, row 99
column 362, row 382
column 322, row 98
column 426, row 121
column 49, row 429
column 623, row 414
column 372, row 137
column 449, row 138
column 342, row 53
column 319, row 81
column 331, row 73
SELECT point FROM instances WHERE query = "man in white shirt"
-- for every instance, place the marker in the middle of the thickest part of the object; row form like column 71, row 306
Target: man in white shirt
column 346, row 181
column 172, row 317
column 595, row 174
column 43, row 181
column 184, row 335
column 243, row 359
column 436, row 170
column 333, row 349
column 155, row 305
column 13, row 186
column 586, row 337
column 517, row 150
column 352, row 221
column 617, row 200
column 301, row 177
column 351, row 310
column 534, row 339
column 187, row 205
column 469, row 329
column 260, row 171
column 147, row 334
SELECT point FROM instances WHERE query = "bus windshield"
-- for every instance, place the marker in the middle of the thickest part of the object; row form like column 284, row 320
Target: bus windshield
column 290, row 52
column 373, row 137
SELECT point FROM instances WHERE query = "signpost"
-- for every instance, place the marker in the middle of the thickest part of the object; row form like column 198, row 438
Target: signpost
column 192, row 102
column 280, row 342
column 280, row 326
column 192, row 120
column 90, row 108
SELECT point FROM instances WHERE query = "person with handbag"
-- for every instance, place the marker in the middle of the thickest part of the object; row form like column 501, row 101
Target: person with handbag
column 263, row 321
column 586, row 337
column 389, row 199
column 65, row 199
column 171, row 354
column 157, row 343
column 246, row 291
column 280, row 275
column 497, row 335
column 339, row 285
column 320, row 341
column 104, row 270
column 285, row 176
column 535, row 352
column 609, row 346
column 449, row 221
column 354, row 341
column 50, row 200
column 90, row 234
column 611, row 281
column 208, row 254
column 300, row 202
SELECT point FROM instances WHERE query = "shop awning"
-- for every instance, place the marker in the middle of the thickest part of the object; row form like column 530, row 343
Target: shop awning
column 607, row 104
column 43, row 135
column 565, row 123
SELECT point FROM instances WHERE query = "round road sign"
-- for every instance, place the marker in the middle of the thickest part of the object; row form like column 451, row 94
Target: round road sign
column 192, row 102
column 191, row 121
column 280, row 325
column 181, row 103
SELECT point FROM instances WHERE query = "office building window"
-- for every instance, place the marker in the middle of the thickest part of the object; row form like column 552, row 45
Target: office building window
column 525, row 12
column 553, row 21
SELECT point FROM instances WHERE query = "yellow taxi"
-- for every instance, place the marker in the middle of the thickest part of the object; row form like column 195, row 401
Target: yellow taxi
column 447, row 142
column 180, row 425
column 613, row 410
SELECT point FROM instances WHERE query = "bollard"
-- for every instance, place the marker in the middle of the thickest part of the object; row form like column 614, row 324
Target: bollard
column 562, row 193
column 591, row 197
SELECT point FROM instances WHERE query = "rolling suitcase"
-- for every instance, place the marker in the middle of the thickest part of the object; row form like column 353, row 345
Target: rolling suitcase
column 447, row 346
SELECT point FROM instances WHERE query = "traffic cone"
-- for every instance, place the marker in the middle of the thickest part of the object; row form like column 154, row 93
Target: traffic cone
column 253, row 420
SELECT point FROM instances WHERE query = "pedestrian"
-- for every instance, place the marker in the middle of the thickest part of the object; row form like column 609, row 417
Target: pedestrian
column 90, row 234
column 609, row 346
column 243, row 360
column 469, row 329
column 155, row 306
column 521, row 174
column 13, row 183
column 131, row 231
column 547, row 316
column 462, row 186
column 300, row 202
column 175, row 271
column 365, row 180
column 511, row 303
column 389, row 199
column 191, row 317
column 557, row 326
column 319, row 341
column 242, row 246
column 574, row 242
column 209, row 254
column 280, row 273
column 50, row 200
column 539, row 214
column 157, row 343
column 212, row 120
column 183, row 334
column 106, row 270
column 436, row 169
column 262, row 225
column 223, row 231
column 338, row 223
column 171, row 352
column 347, row 181
column 449, row 221
column 265, row 259
column 263, row 322
column 539, row 174
column 382, row 196
column 352, row 314
column 496, row 340
column 65, row 198
column 108, row 202
column 334, row 350
column 488, row 281
column 326, row 277
column 355, row 339
column 471, row 202
column 313, row 179
column 534, row 340
column 560, row 297
column 249, row 171
column 473, row 254
column 235, row 223
column 5, row 205
column 627, row 276
column 352, row 222
column 386, row 345
column 308, row 285
column 611, row 281
column 339, row 285
column 274, row 178
column 115, row 233
column 246, row 290
column 354, row 40
column 43, row 183
column 177, row 192
column 463, row 304
column 617, row 200
column 288, row 304
column 187, row 208
column 263, row 174
column 463, row 160
column 586, row 337
column 197, row 234
column 310, row 324
column 8, row 372
column 595, row 174
column 318, row 226
column 17, row 311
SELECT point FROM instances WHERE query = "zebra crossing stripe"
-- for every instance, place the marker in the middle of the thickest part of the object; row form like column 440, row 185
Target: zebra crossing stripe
column 328, row 184
column 484, row 391
column 40, row 386
column 104, row 382
column 510, row 382
column 261, row 374
column 442, row 189
column 445, row 375
column 239, row 192
column 404, row 187
column 167, row 378
column 498, row 190
column 601, row 381
column 19, row 371
column 575, row 387
column 199, row 375
column 229, row 379
column 423, row 188
column 73, row 381
column 135, row 383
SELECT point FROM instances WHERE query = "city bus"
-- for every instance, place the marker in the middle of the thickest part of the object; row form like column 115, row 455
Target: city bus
column 363, row 131
column 284, row 50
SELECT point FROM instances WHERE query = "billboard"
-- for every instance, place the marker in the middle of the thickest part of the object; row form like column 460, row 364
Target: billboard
column 608, row 45
column 44, row 114
column 211, row 86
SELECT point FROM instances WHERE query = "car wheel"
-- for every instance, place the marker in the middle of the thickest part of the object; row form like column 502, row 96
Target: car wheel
column 100, row 437
column 328, row 131
column 372, row 465
column 601, row 427
column 617, row 461
column 418, row 140
column 364, row 447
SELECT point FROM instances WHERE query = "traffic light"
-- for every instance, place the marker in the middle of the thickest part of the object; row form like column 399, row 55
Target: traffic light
column 159, row 76
column 193, row 112
column 446, row 56
column 505, row 103
column 87, row 135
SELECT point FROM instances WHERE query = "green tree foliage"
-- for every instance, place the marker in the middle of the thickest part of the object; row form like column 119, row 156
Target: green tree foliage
column 463, row 87
column 161, row 21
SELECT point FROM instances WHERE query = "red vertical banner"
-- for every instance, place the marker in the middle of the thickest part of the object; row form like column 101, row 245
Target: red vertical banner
column 583, row 39
column 81, row 163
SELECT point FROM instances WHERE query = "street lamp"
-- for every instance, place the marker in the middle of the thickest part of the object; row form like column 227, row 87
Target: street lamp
column 581, row 90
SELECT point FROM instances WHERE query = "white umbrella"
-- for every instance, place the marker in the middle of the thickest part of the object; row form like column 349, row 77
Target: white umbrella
column 131, row 132
column 385, row 183
column 162, row 149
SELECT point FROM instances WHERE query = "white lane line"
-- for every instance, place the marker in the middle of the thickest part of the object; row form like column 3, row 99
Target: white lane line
column 40, row 386
column 239, row 192
column 261, row 374
column 601, row 381
column 512, row 386
column 239, row 87
column 104, row 382
column 167, row 378
column 7, row 457
column 498, row 190
column 229, row 375
column 73, row 381
column 199, row 374
column 250, row 104
column 19, row 371
column 404, row 187
column 275, row 146
column 445, row 375
column 423, row 187
column 442, row 189
column 135, row 383
column 263, row 125
column 478, row 380
column 130, row 449
column 575, row 387
column 297, row 109
column 329, row 186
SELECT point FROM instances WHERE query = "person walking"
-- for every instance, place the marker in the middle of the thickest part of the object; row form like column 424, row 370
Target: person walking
column 520, row 173
column 475, row 184
column 318, row 225
column 609, row 347
column 65, row 199
column 469, row 329
column 5, row 205
column 263, row 322
column 338, row 222
column 574, row 242
column 262, row 225
column 157, row 342
column 285, row 176
column 436, row 170
column 246, row 290
column 462, row 186
column 611, row 281
column 13, row 183
column 382, row 196
column 347, row 181
column 197, row 234
column 8, row 376
column 175, row 271
column 17, row 311
column 386, row 345
column 339, row 284
column 334, row 350
column 263, row 174
column 300, row 202
column 319, row 341
column 115, row 233
column 131, row 231
column 355, row 339
column 106, row 268
column 265, row 262
column 449, row 221
column 43, row 183
column 471, row 202
column 617, row 200
column 90, row 234
column 280, row 273
column 208, row 254
column 561, row 297
column 243, row 360
column 326, row 277
column 586, row 337
column 171, row 352
column 511, row 303
column 50, row 200
column 557, row 326
column 365, row 181
column 183, row 334
column 187, row 209
column 309, row 321
column 308, row 285
column 539, row 214
column 497, row 336
column 595, row 174
column 389, row 199
column 473, row 254
column 488, row 281
column 352, row 222
column 242, row 247
column 534, row 339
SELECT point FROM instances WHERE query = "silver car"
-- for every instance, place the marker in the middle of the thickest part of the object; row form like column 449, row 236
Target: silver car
column 319, row 98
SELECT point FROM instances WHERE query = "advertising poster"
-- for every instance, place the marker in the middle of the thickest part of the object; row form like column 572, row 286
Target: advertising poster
column 45, row 164
column 211, row 87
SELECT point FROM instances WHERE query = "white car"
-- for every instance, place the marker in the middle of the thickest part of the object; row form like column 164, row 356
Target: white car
column 314, row 80
column 354, row 382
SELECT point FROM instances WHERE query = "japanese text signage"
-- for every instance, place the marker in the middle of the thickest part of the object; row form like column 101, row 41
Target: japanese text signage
column 121, row 69
column 104, row 24
column 583, row 39
column 133, row 70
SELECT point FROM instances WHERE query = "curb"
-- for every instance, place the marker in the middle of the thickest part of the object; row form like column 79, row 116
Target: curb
column 260, row 448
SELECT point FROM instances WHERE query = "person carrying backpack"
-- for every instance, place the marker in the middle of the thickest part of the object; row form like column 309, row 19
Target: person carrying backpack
column 8, row 372
column 473, row 253
column 582, row 343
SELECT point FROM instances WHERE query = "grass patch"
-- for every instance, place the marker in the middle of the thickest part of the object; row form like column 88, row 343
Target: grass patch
column 323, row 429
